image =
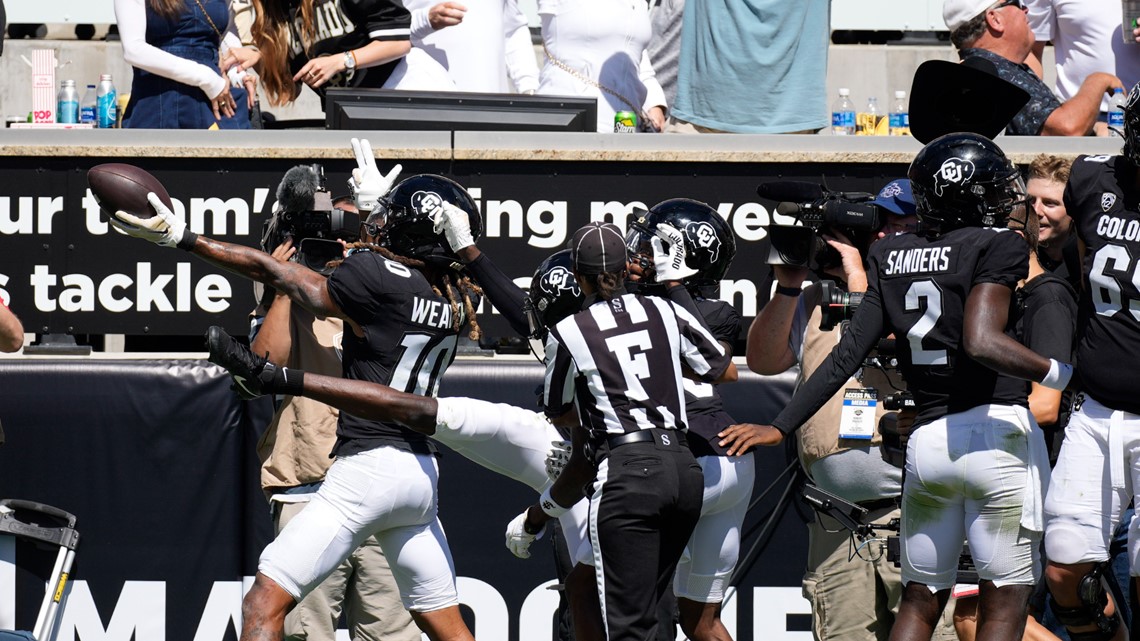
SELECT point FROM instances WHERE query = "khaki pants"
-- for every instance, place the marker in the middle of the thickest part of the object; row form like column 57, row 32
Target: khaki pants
column 362, row 587
column 855, row 600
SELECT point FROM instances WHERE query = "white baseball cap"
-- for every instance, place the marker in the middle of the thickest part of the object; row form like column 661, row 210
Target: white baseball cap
column 958, row 12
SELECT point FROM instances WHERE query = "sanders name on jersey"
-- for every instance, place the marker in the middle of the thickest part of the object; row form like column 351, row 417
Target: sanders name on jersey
column 917, row 260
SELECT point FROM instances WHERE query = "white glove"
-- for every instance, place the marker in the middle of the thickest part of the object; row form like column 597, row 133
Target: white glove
column 367, row 183
column 518, row 539
column 163, row 229
column 557, row 458
column 452, row 222
column 670, row 263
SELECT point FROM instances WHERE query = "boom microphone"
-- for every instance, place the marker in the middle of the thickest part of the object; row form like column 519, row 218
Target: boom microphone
column 790, row 190
column 298, row 189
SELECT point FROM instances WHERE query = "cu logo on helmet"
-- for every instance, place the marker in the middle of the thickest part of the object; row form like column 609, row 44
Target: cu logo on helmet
column 425, row 202
column 558, row 280
column 702, row 235
column 955, row 171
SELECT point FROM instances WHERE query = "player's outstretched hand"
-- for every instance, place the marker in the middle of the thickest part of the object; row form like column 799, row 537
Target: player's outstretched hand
column 745, row 436
column 452, row 222
column 557, row 458
column 367, row 183
column 518, row 539
column 164, row 228
column 252, row 374
column 669, row 261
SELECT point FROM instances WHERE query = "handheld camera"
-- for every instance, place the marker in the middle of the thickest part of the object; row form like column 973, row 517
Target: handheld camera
column 817, row 210
column 305, row 213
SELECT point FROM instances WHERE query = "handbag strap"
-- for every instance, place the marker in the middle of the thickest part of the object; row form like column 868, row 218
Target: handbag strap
column 210, row 20
column 593, row 83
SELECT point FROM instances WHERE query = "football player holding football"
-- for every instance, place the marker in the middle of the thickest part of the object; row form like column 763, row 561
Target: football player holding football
column 976, row 464
column 402, row 295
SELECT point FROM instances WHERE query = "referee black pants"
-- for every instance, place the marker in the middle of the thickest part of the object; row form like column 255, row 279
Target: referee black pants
column 646, row 501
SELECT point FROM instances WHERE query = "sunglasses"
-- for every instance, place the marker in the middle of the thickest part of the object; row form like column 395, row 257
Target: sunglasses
column 1009, row 3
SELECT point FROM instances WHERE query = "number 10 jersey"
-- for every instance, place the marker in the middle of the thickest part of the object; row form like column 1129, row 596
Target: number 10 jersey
column 409, row 341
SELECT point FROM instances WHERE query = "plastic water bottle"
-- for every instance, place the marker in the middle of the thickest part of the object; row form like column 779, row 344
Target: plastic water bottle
column 107, row 103
column 1116, row 112
column 899, row 115
column 67, row 103
column 867, row 122
column 843, row 115
column 87, row 106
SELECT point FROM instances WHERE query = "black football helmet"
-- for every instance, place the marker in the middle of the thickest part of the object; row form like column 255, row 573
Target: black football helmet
column 402, row 220
column 964, row 180
column 554, row 293
column 709, row 242
column 1132, row 126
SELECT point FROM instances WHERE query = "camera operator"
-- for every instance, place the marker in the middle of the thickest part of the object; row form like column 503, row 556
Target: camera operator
column 854, row 598
column 294, row 449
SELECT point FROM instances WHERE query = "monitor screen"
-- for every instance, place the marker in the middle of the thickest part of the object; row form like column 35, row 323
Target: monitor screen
column 451, row 111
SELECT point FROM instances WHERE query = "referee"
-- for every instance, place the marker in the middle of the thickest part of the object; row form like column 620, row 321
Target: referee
column 620, row 360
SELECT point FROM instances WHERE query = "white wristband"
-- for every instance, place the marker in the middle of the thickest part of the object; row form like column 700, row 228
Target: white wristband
column 550, row 506
column 1058, row 376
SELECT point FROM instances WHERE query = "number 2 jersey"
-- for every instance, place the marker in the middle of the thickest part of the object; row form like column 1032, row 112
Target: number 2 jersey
column 409, row 341
column 917, row 289
column 1104, row 202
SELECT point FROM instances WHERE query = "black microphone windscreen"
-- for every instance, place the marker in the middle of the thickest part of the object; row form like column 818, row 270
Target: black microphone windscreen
column 788, row 209
column 297, row 189
column 790, row 190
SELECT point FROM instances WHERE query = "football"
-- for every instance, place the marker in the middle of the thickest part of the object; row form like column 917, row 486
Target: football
column 123, row 187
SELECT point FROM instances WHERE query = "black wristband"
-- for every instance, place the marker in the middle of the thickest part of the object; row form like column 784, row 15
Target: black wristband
column 189, row 238
column 289, row 382
column 794, row 292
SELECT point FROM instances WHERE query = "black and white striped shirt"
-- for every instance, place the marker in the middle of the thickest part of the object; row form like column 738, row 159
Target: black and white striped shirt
column 621, row 361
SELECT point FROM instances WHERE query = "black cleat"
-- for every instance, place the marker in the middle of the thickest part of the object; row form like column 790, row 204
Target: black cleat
column 252, row 374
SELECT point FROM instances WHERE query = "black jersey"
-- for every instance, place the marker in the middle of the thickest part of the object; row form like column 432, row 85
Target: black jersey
column 344, row 25
column 703, row 402
column 1103, row 199
column 1044, row 317
column 409, row 341
column 619, row 361
column 917, row 289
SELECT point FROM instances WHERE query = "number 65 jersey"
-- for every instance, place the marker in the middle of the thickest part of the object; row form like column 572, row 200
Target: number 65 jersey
column 1101, row 197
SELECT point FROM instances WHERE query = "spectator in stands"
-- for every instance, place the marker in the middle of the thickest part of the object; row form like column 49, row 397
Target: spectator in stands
column 173, row 44
column 1086, row 36
column 774, row 80
column 327, row 43
column 998, row 31
column 665, row 43
column 598, row 48
column 11, row 331
column 456, row 48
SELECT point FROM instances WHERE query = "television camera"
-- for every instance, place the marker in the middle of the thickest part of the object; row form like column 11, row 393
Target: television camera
column 817, row 210
column 305, row 213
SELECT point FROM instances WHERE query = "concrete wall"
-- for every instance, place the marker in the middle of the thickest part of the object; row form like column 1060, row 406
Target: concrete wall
column 867, row 70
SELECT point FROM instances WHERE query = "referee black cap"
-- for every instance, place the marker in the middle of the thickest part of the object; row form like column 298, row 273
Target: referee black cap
column 598, row 248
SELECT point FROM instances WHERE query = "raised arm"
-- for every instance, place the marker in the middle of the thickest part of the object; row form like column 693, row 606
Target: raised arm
column 303, row 285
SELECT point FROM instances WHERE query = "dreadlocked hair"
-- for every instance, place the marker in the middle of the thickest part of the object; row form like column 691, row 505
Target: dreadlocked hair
column 445, row 283
column 609, row 284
